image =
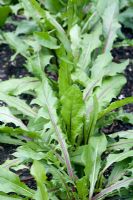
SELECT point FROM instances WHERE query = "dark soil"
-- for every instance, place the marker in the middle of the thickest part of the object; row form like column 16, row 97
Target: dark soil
column 11, row 69
column 127, row 32
column 5, row 152
column 127, row 91
column 25, row 177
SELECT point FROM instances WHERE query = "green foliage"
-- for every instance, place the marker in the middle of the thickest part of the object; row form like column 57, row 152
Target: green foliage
column 92, row 157
column 40, row 177
column 110, row 23
column 115, row 105
column 72, row 113
column 62, row 136
column 4, row 12
column 126, row 17
column 9, row 182
column 112, row 188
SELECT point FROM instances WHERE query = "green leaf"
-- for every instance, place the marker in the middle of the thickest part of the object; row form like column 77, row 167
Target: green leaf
column 123, row 134
column 72, row 112
column 124, row 3
column 5, row 139
column 36, row 124
column 7, row 117
column 125, row 117
column 7, row 197
column 47, row 100
column 60, row 32
column 117, row 172
column 92, row 20
column 82, row 188
column 64, row 78
column 44, row 39
column 16, row 43
column 124, row 43
column 115, row 105
column 117, row 115
column 9, row 182
column 52, row 5
column 112, row 158
column 19, row 133
column 29, row 151
column 4, row 12
column 120, row 184
column 18, row 104
column 106, row 67
column 106, row 92
column 72, row 11
column 4, row 2
column 122, row 144
column 77, row 157
column 15, row 8
column 37, row 12
column 79, row 76
column 36, row 64
column 26, row 27
column 101, row 5
column 40, row 178
column 126, row 16
column 89, row 43
column 92, row 156
column 110, row 23
column 18, row 86
column 34, row 10
column 102, row 68
column 99, row 67
column 92, row 120
column 75, row 36
column 114, row 68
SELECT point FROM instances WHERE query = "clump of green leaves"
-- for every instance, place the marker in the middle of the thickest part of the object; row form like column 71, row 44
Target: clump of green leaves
column 126, row 15
column 126, row 19
column 63, row 136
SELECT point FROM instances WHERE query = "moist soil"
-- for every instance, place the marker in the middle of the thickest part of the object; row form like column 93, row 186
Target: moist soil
column 16, row 69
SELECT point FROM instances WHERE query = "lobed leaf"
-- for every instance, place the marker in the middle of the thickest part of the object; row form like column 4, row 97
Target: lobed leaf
column 92, row 156
column 118, row 171
column 18, row 86
column 112, row 188
column 89, row 43
column 40, row 177
column 7, row 117
column 9, row 182
column 18, row 104
column 106, row 92
column 16, row 43
column 44, row 39
column 110, row 23
column 48, row 101
column 115, row 105
column 112, row 158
